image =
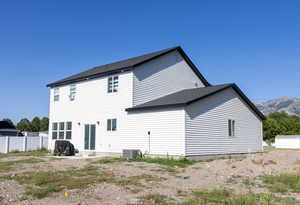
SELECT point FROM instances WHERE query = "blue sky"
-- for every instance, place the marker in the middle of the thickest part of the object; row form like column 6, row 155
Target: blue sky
column 252, row 43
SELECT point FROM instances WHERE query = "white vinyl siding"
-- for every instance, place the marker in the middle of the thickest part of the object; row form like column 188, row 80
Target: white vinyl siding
column 166, row 127
column 161, row 76
column 94, row 105
column 207, row 126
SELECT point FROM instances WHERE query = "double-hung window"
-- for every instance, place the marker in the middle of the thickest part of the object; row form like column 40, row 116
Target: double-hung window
column 72, row 92
column 54, row 130
column 113, row 84
column 56, row 94
column 111, row 124
column 231, row 128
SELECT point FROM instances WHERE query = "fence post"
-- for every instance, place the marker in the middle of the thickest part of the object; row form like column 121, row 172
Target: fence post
column 25, row 143
column 41, row 142
column 7, row 144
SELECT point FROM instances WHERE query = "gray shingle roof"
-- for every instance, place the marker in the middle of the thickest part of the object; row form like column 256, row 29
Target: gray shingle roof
column 188, row 96
column 122, row 66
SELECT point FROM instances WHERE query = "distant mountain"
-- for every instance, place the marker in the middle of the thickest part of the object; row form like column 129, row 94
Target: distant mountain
column 289, row 105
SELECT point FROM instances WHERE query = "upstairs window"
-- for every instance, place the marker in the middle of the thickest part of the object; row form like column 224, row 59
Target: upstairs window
column 231, row 128
column 113, row 84
column 56, row 94
column 72, row 92
column 111, row 124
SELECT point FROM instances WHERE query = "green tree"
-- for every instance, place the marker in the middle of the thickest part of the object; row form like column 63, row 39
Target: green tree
column 271, row 128
column 280, row 123
column 9, row 121
column 44, row 124
column 24, row 125
column 35, row 124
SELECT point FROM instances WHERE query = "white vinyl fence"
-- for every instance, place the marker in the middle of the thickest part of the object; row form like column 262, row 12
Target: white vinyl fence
column 26, row 143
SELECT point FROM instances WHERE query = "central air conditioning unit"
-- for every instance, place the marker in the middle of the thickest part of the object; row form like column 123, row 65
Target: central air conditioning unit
column 131, row 153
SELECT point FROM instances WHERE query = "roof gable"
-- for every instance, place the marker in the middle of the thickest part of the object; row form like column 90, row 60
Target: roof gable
column 125, row 65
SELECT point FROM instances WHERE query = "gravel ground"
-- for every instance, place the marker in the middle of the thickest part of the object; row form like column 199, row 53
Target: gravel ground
column 176, row 185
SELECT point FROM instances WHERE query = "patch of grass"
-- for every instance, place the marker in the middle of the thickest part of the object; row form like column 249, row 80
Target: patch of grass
column 41, row 184
column 108, row 160
column 9, row 165
column 34, row 153
column 225, row 196
column 283, row 182
column 171, row 162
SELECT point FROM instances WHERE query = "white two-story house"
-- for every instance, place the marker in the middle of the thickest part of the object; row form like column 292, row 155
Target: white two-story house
column 158, row 103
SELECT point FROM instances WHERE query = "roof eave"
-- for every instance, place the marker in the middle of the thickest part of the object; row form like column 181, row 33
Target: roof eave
column 121, row 70
column 155, row 107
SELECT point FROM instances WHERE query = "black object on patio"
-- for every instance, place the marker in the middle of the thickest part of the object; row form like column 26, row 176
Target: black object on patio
column 64, row 148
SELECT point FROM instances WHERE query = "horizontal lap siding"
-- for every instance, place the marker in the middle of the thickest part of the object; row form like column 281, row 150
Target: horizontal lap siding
column 166, row 132
column 161, row 76
column 207, row 126
column 94, row 105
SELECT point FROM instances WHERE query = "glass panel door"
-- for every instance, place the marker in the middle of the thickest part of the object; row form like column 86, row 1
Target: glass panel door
column 86, row 136
column 92, row 137
column 89, row 137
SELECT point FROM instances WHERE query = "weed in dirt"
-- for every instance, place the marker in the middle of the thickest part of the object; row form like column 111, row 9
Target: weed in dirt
column 136, row 180
column 108, row 160
column 9, row 165
column 171, row 162
column 226, row 196
column 234, row 179
column 283, row 183
column 153, row 199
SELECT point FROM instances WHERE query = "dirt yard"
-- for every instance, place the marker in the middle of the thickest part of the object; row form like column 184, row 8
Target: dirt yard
column 40, row 179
